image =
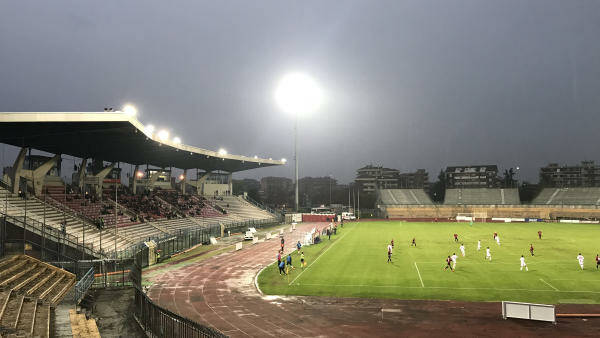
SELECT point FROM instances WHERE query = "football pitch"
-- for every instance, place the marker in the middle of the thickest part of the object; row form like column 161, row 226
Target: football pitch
column 354, row 263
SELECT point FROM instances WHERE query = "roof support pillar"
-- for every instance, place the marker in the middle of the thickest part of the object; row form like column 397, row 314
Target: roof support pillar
column 99, row 179
column 198, row 183
column 183, row 182
column 37, row 176
column 81, row 174
column 17, row 168
column 230, row 183
column 151, row 180
column 135, row 178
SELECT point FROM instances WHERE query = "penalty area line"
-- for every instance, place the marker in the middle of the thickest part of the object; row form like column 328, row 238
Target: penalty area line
column 419, row 273
column 322, row 253
column 550, row 285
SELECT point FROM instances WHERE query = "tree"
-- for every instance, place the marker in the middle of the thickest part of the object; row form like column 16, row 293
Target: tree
column 509, row 181
column 438, row 188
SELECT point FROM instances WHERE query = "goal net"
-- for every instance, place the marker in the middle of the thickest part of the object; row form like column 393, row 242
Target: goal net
column 471, row 217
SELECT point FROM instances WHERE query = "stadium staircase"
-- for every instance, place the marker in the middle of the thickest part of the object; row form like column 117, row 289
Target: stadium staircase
column 29, row 289
column 568, row 196
column 83, row 327
column 482, row 196
column 238, row 209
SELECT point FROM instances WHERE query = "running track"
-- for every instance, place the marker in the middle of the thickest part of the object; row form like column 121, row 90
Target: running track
column 221, row 293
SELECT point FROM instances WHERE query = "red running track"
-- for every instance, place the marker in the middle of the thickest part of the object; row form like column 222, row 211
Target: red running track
column 221, row 293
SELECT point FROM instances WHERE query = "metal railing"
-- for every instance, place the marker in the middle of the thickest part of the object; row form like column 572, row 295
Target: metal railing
column 262, row 206
column 83, row 285
column 157, row 321
column 47, row 234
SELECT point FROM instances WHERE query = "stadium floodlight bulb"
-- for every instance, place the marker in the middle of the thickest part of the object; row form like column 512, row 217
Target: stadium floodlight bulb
column 222, row 151
column 255, row 157
column 149, row 129
column 130, row 110
column 298, row 93
column 163, row 135
column 176, row 140
column 283, row 160
column 181, row 177
column 139, row 174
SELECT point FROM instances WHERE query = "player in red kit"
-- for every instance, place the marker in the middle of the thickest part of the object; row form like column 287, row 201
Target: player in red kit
column 540, row 234
column 531, row 249
column 448, row 264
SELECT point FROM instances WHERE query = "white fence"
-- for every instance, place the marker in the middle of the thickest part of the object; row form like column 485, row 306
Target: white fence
column 528, row 311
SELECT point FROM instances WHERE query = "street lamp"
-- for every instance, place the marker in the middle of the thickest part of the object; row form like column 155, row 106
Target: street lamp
column 297, row 94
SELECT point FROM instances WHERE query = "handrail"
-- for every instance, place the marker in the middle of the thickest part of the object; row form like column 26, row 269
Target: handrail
column 83, row 285
column 263, row 206
column 49, row 232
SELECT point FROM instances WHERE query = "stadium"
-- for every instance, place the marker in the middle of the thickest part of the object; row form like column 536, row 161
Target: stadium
column 299, row 169
column 181, row 245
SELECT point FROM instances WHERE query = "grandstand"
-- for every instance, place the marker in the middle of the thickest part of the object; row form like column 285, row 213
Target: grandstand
column 28, row 290
column 403, row 197
column 568, row 196
column 474, row 196
column 90, row 211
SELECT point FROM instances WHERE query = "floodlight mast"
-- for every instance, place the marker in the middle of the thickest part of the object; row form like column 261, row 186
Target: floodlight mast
column 296, row 162
column 297, row 93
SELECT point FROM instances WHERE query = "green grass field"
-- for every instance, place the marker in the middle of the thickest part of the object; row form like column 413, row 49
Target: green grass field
column 353, row 263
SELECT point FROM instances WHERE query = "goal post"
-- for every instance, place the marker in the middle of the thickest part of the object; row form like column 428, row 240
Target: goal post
column 480, row 217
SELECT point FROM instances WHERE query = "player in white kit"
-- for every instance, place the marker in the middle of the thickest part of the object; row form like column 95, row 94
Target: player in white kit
column 478, row 245
column 488, row 255
column 498, row 239
column 523, row 264
column 454, row 257
column 580, row 259
column 462, row 249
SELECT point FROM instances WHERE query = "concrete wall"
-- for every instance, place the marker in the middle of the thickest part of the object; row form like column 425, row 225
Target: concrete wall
column 209, row 189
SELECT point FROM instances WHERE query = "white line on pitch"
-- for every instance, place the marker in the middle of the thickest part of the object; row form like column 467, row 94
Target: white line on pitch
column 322, row 253
column 445, row 287
column 421, row 279
column 550, row 285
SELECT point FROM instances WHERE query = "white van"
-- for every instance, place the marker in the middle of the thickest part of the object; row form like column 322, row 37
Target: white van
column 250, row 234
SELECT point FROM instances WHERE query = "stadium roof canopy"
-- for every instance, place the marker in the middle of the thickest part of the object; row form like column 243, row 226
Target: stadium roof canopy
column 113, row 137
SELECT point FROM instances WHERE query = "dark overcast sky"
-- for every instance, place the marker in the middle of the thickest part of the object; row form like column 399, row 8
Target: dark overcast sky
column 409, row 84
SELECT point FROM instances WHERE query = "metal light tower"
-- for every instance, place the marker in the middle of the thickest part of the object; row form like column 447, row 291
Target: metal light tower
column 297, row 94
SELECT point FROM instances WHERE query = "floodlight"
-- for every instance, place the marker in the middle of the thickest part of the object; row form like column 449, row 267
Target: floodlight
column 176, row 140
column 181, row 177
column 163, row 135
column 130, row 110
column 222, row 151
column 255, row 156
column 149, row 129
column 283, row 160
column 139, row 174
column 298, row 93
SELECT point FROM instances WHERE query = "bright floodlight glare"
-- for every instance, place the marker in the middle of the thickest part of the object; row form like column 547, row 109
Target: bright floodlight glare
column 176, row 140
column 130, row 110
column 255, row 156
column 222, row 151
column 298, row 93
column 140, row 174
column 163, row 135
column 283, row 160
column 149, row 129
column 181, row 177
